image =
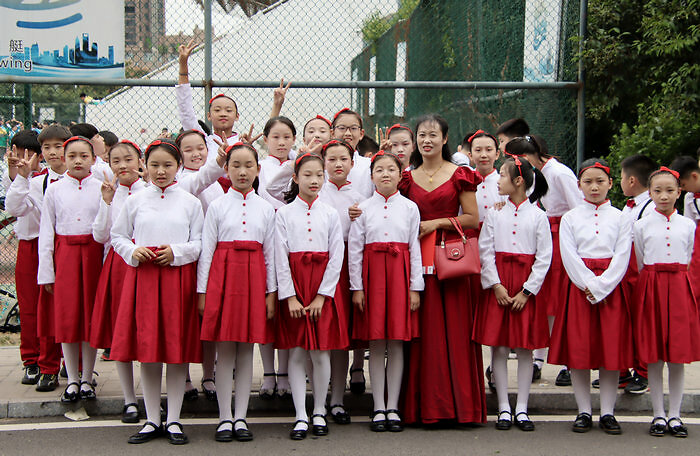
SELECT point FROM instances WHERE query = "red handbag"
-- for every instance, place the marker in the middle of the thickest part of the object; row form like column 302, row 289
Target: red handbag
column 457, row 257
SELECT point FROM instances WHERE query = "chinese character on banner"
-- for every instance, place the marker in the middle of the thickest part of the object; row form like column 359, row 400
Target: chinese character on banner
column 16, row 46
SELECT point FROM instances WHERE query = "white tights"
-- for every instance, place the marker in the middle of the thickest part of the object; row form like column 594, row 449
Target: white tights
column 151, row 375
column 71, row 355
column 297, row 378
column 581, row 382
column 391, row 374
column 499, row 365
column 676, row 374
column 126, row 380
column 267, row 354
column 232, row 355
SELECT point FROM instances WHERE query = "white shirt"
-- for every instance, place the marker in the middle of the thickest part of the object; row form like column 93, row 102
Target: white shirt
column 303, row 228
column 590, row 231
column 487, row 193
column 691, row 207
column 563, row 193
column 100, row 168
column 642, row 202
column 154, row 217
column 661, row 239
column 24, row 199
column 238, row 217
column 108, row 213
column 393, row 219
column 206, row 196
column 522, row 229
column 360, row 175
column 340, row 198
column 69, row 208
column 273, row 180
column 198, row 181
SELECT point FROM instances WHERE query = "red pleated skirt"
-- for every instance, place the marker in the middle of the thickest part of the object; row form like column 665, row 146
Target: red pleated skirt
column 158, row 321
column 445, row 375
column 556, row 284
column 235, row 309
column 496, row 325
column 77, row 261
column 109, row 291
column 343, row 303
column 666, row 320
column 386, row 274
column 694, row 268
column 592, row 336
column 328, row 333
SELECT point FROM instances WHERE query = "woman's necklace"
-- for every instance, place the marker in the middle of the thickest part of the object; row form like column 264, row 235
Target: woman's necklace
column 430, row 176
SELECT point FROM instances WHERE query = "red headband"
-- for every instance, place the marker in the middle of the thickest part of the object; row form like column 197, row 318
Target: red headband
column 191, row 132
column 517, row 161
column 596, row 165
column 221, row 95
column 667, row 170
column 320, row 117
column 337, row 142
column 398, row 127
column 308, row 154
column 471, row 138
column 240, row 144
column 132, row 144
column 78, row 138
column 339, row 113
column 382, row 153
column 157, row 143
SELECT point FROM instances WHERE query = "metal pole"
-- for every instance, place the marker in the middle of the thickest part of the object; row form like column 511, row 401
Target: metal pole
column 207, row 54
column 581, row 102
column 27, row 102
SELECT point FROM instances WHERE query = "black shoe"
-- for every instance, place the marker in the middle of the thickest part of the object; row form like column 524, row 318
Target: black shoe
column 503, row 424
column 525, row 424
column 130, row 417
column 342, row 417
column 583, row 423
column 210, row 394
column 47, row 382
column 536, row 372
column 596, row 383
column 489, row 379
column 658, row 427
column 638, row 385
column 358, row 387
column 105, row 355
column 191, row 395
column 31, row 375
column 242, row 434
column 225, row 435
column 563, row 378
column 63, row 373
column 73, row 396
column 677, row 428
column 393, row 425
column 143, row 437
column 176, row 438
column 299, row 434
column 319, row 429
column 87, row 394
column 379, row 425
column 609, row 424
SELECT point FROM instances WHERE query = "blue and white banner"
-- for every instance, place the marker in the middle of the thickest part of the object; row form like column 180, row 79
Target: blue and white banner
column 62, row 38
column 541, row 40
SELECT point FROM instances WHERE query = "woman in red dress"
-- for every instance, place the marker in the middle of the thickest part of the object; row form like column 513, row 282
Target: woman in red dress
column 444, row 380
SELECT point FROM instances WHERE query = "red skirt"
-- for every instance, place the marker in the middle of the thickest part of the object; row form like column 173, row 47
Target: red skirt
column 235, row 309
column 666, row 321
column 158, row 320
column 445, row 375
column 77, row 261
column 328, row 333
column 343, row 302
column 386, row 274
column 556, row 283
column 109, row 291
column 592, row 336
column 496, row 325
column 694, row 268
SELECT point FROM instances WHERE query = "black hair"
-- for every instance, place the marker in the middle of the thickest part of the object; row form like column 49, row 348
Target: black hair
column 26, row 139
column 205, row 127
column 82, row 94
column 279, row 119
column 128, row 145
column 168, row 145
column 529, row 174
column 337, row 142
column 185, row 133
column 221, row 95
column 684, row 165
column 55, row 131
column 467, row 144
column 527, row 145
column 110, row 138
column 240, row 145
column 84, row 129
column 298, row 163
column 661, row 171
column 416, row 158
column 514, row 128
column 367, row 144
column 640, row 166
column 82, row 139
column 378, row 157
column 346, row 111
column 321, row 118
column 592, row 163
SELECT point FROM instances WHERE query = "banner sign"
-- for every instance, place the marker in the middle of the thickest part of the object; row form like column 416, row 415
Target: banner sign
column 541, row 41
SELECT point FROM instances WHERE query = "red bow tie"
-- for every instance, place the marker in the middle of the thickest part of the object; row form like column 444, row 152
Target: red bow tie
column 696, row 194
column 631, row 202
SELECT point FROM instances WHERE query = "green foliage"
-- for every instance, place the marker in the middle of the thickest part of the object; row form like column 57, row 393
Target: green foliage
column 377, row 25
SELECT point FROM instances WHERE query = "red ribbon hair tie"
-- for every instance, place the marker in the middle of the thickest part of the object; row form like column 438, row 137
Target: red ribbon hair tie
column 381, row 153
column 78, row 138
column 477, row 132
column 337, row 142
column 221, row 95
column 320, row 117
column 307, row 154
column 516, row 159
column 132, row 144
column 598, row 165
column 335, row 117
column 398, row 127
column 240, row 144
column 672, row 172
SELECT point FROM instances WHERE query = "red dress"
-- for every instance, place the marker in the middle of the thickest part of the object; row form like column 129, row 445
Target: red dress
column 694, row 267
column 109, row 291
column 556, row 285
column 444, row 378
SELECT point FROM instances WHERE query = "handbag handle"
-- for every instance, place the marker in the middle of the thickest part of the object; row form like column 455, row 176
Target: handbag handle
column 458, row 228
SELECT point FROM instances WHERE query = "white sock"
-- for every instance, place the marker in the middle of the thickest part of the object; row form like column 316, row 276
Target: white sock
column 581, row 381
column 209, row 362
column 71, row 357
column 656, row 388
column 126, row 380
column 297, row 381
column 499, row 366
column 89, row 355
column 151, row 377
column 394, row 376
column 226, row 352
column 322, row 378
column 539, row 356
column 244, row 380
column 267, row 354
column 377, row 373
column 524, row 379
column 676, row 374
column 339, row 374
column 608, row 390
column 175, row 392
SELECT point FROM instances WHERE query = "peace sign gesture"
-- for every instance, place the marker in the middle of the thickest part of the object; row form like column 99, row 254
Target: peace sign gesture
column 108, row 188
column 185, row 50
column 26, row 165
column 248, row 137
column 308, row 148
column 221, row 151
column 384, row 143
column 279, row 93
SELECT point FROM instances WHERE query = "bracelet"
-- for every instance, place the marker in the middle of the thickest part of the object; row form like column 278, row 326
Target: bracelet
column 184, row 74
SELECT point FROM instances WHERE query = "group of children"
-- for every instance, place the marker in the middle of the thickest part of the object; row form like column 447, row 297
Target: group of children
column 197, row 249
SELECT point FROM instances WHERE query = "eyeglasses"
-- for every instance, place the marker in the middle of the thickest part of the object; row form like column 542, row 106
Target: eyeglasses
column 342, row 128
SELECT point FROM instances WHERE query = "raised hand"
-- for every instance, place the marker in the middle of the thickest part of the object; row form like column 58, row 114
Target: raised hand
column 108, row 188
column 279, row 94
column 221, row 151
column 248, row 138
column 185, row 50
column 384, row 143
column 26, row 165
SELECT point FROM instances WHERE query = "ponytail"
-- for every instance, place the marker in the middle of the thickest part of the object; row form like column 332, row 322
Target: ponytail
column 520, row 167
column 541, row 186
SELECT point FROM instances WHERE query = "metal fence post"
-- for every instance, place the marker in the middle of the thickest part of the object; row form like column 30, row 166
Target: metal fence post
column 581, row 102
column 207, row 55
column 27, row 102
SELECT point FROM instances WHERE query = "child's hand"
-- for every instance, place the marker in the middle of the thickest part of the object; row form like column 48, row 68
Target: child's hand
column 414, row 297
column 12, row 158
column 48, row 287
column 358, row 299
column 354, row 211
column 296, row 310
column 108, row 188
column 306, row 148
column 314, row 309
column 519, row 301
column 164, row 255
column 502, row 295
column 185, row 50
column 202, row 298
column 143, row 171
column 384, row 143
column 248, row 138
column 26, row 165
column 271, row 304
column 143, row 254
column 279, row 94
column 221, row 151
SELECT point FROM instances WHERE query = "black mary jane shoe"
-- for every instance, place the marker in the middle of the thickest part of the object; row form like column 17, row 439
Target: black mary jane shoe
column 224, row 435
column 73, row 396
column 176, row 438
column 503, row 424
column 242, row 434
column 525, row 424
column 209, row 394
column 143, row 437
column 609, row 424
column 358, row 387
column 130, row 417
column 378, row 425
column 319, row 429
column 191, row 395
column 582, row 423
column 87, row 394
column 342, row 417
column 678, row 429
column 393, row 425
column 658, row 426
column 299, row 434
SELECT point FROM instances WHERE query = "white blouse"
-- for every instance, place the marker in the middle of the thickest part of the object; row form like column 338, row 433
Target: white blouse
column 361, row 176
column 24, row 199
column 661, row 239
column 209, row 194
column 393, row 219
column 238, row 217
column 274, row 179
column 100, row 168
column 487, row 193
column 108, row 213
column 340, row 198
column 563, row 193
column 154, row 217
column 691, row 207
column 643, row 206
column 69, row 208
column 303, row 227
column 590, row 231
column 522, row 229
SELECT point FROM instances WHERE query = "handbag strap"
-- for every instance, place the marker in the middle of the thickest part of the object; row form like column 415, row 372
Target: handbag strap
column 458, row 228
